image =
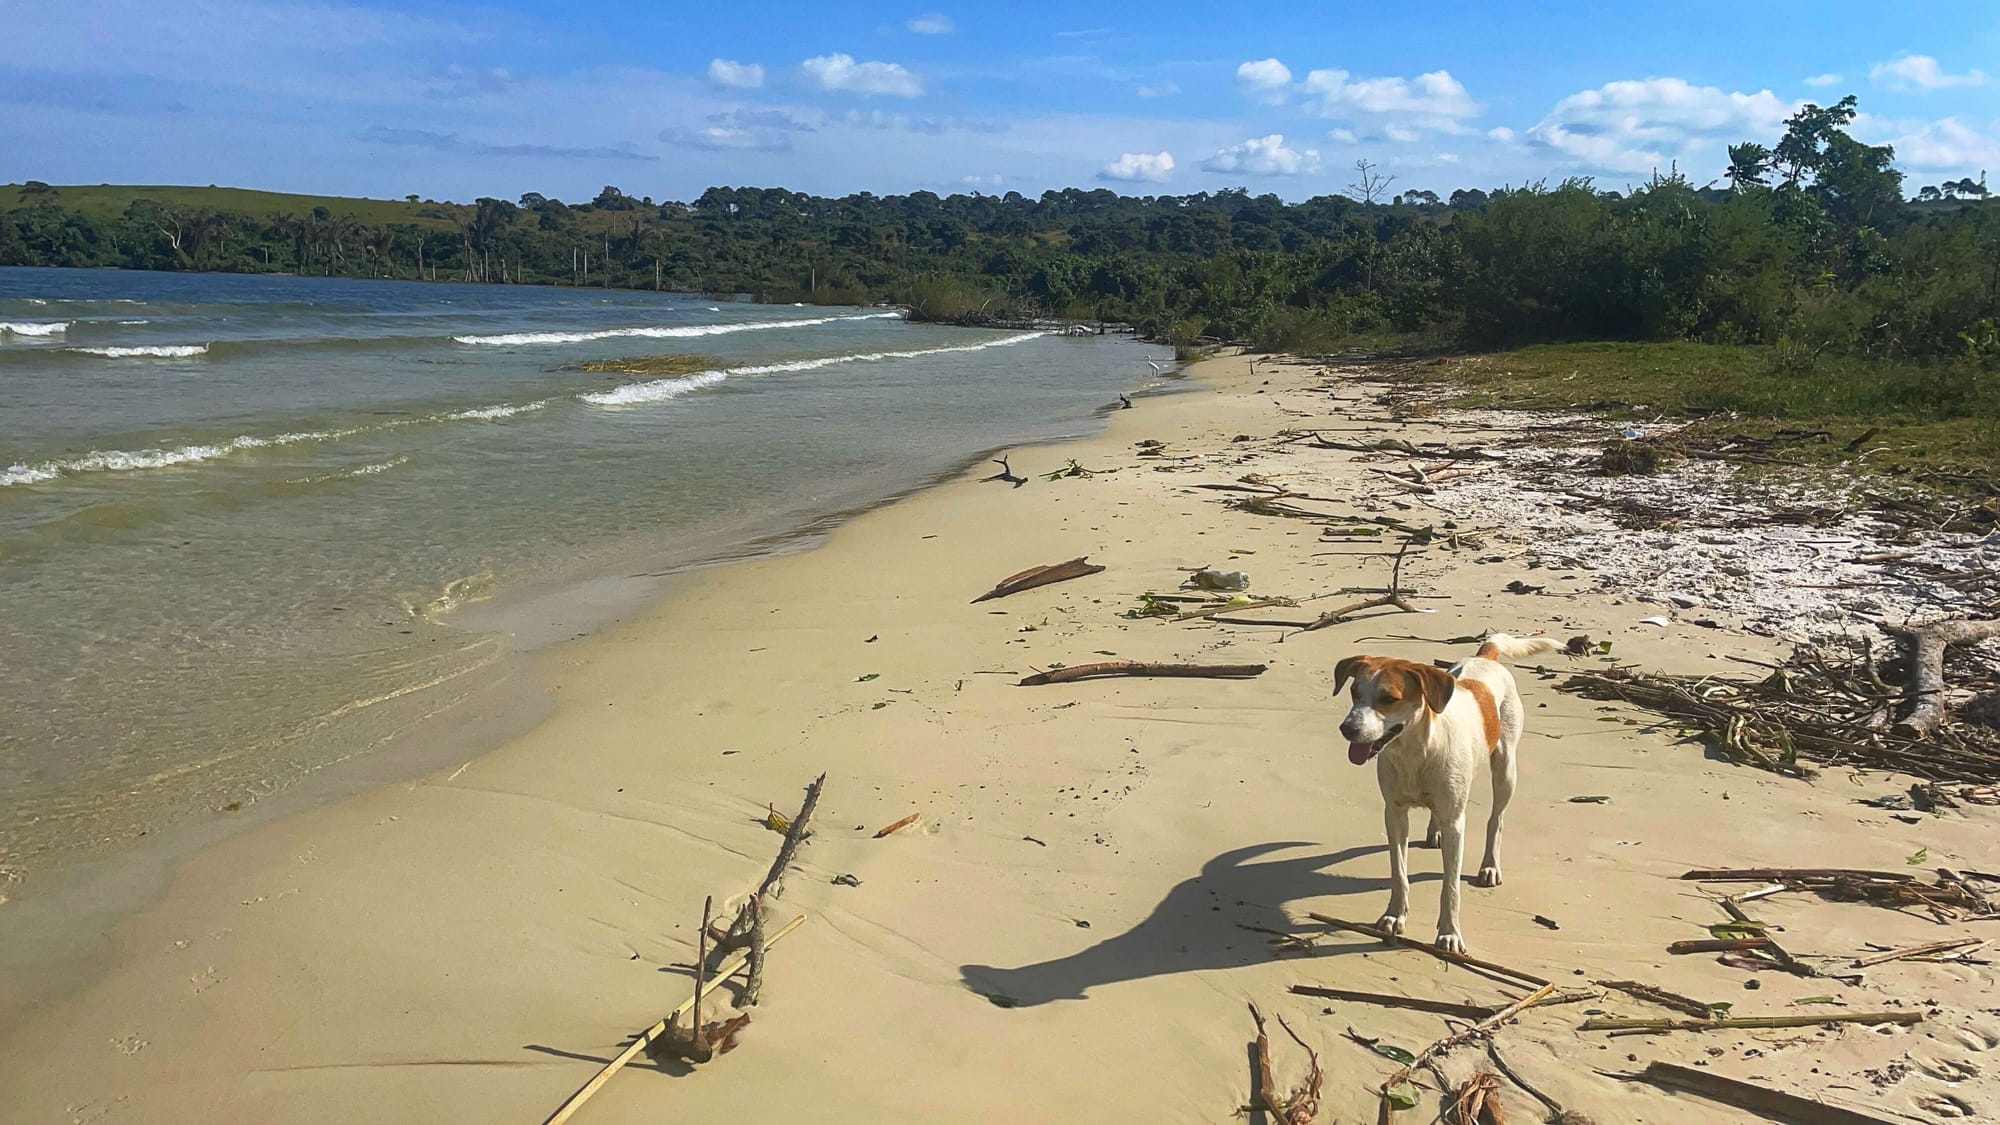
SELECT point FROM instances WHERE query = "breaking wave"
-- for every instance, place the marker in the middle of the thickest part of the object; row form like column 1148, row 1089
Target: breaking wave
column 516, row 339
column 33, row 330
column 127, row 460
column 660, row 390
column 146, row 351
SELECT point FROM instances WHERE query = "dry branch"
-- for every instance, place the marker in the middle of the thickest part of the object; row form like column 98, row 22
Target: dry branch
column 1778, row 952
column 698, row 1042
column 1750, row 1023
column 1382, row 935
column 898, row 825
column 1232, row 607
column 1477, row 1102
column 1041, row 576
column 1417, row 1003
column 1918, row 951
column 1302, row 1106
column 645, row 1038
column 1772, row 1104
column 1660, row 996
column 1482, row 1028
column 1944, row 900
column 1928, row 644
column 738, row 935
column 1719, row 945
column 1140, row 668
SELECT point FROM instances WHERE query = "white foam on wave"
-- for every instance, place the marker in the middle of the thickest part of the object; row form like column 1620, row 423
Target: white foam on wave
column 490, row 413
column 147, row 351
column 660, row 390
column 32, row 329
column 517, row 339
column 127, row 460
column 129, row 323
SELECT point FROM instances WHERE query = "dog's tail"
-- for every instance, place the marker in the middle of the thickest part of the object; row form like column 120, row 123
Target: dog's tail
column 1500, row 646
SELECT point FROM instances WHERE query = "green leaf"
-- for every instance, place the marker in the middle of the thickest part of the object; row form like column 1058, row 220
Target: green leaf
column 1391, row 1051
column 1729, row 930
column 869, row 676
column 1721, row 1010
column 1402, row 1097
column 1921, row 855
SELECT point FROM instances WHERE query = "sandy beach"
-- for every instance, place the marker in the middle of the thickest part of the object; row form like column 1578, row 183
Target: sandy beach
column 1072, row 929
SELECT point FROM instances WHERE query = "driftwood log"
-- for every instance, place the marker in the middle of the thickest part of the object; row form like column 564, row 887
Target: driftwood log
column 747, row 918
column 1141, row 668
column 1751, row 1023
column 1006, row 473
column 1927, row 648
column 1773, row 1105
column 1041, row 576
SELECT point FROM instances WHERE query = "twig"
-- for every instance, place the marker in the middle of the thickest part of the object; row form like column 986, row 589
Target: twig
column 1232, row 607
column 1481, row 1028
column 1719, row 945
column 1771, row 1104
column 1394, row 598
column 645, row 1038
column 1749, row 1023
column 1417, row 1003
column 1517, row 975
column 1767, row 874
column 1662, row 997
column 1303, row 1104
column 1917, row 951
column 1036, row 576
column 753, row 985
column 1493, row 1052
column 1140, row 668
column 738, row 935
column 898, row 826
column 1784, row 957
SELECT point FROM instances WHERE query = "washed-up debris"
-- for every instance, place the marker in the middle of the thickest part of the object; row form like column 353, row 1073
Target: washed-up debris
column 1140, row 668
column 1036, row 576
column 1208, row 578
column 897, row 826
column 1751, row 1023
column 1771, row 1104
column 1301, row 1106
column 1948, row 898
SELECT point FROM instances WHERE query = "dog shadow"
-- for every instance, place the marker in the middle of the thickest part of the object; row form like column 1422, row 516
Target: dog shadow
column 1195, row 927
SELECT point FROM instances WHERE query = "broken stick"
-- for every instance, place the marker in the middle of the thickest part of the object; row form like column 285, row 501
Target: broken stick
column 1140, row 668
column 1750, row 1023
column 1927, row 647
column 1771, row 1104
column 1469, row 962
column 645, row 1038
column 1041, row 576
column 1416, row 1003
column 738, row 934
column 898, row 826
column 1660, row 996
column 1719, row 945
column 1483, row 1027
column 1918, row 951
column 1303, row 1104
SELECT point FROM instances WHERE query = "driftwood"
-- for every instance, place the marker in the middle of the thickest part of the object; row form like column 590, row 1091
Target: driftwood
column 1232, row 607
column 1140, row 668
column 1483, row 1028
column 1417, row 1003
column 1918, row 951
column 1778, row 952
column 1773, row 1105
column 645, row 1038
column 1006, row 473
column 1041, row 576
column 1393, row 598
column 1927, row 687
column 738, row 934
column 1660, row 996
column 698, row 1042
column 1423, row 947
column 1302, row 1106
column 1477, row 1102
column 1719, row 945
column 898, row 826
column 1750, row 1023
column 1944, row 900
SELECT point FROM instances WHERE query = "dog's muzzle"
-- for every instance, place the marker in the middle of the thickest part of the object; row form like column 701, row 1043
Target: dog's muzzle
column 1361, row 753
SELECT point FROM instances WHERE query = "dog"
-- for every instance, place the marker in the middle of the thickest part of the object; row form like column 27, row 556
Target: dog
column 1426, row 729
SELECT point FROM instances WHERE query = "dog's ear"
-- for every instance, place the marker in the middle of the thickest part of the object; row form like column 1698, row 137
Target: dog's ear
column 1436, row 684
column 1345, row 670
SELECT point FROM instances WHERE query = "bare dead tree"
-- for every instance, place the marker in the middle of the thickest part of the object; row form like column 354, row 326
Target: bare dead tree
column 1372, row 184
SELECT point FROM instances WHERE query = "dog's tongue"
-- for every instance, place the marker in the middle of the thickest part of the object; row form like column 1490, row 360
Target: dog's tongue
column 1360, row 752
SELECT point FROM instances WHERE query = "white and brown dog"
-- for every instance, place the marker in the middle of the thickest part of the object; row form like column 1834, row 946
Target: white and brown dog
column 1426, row 729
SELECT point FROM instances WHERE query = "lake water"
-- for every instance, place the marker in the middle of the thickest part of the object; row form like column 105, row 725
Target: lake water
column 242, row 518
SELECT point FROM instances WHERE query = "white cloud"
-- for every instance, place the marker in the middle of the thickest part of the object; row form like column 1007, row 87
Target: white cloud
column 735, row 75
column 1947, row 145
column 1264, row 79
column 1140, row 167
column 1819, row 81
column 1160, row 90
column 1920, row 72
column 1264, row 156
column 1501, row 133
column 1639, row 126
column 1402, row 133
column 933, row 24
column 840, row 72
column 1344, row 136
column 1437, row 99
column 981, row 183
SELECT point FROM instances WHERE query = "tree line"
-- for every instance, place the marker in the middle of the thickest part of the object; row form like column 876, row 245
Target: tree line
column 1809, row 244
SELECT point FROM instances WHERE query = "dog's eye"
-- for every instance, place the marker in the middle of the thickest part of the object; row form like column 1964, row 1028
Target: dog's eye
column 1389, row 695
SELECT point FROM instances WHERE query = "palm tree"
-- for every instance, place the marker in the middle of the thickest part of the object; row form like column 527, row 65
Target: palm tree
column 1749, row 162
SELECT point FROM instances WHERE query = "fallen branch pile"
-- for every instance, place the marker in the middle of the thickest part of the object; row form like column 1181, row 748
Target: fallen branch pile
column 1814, row 711
column 1946, row 899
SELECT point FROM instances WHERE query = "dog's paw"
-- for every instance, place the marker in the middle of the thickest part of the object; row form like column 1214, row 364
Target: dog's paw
column 1451, row 943
column 1393, row 923
column 1432, row 838
column 1487, row 877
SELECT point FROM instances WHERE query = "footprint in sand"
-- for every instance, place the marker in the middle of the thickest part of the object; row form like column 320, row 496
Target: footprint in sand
column 129, row 1044
column 1977, row 1038
column 204, row 980
column 1945, row 1105
column 1947, row 1070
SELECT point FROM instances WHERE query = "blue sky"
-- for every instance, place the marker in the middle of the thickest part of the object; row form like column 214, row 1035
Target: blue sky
column 665, row 99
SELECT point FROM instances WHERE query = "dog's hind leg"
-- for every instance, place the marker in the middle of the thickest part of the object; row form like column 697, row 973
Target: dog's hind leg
column 1396, row 818
column 1504, row 774
column 1431, row 833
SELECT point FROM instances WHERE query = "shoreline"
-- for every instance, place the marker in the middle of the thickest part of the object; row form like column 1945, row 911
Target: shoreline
column 468, row 946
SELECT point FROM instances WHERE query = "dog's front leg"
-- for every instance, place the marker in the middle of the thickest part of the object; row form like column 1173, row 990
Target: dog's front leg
column 1396, row 819
column 1452, row 846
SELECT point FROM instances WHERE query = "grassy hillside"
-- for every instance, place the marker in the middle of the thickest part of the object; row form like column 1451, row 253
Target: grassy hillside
column 105, row 202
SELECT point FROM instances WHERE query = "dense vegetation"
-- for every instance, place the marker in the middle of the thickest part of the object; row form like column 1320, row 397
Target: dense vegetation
column 1811, row 251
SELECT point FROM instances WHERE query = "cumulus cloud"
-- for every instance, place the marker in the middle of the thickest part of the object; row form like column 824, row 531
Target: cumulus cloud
column 1140, row 167
column 1501, row 133
column 1432, row 101
column 933, row 24
column 1948, row 145
column 735, row 75
column 1638, row 126
column 839, row 72
column 1819, row 81
column 1160, row 90
column 1344, row 136
column 1264, row 156
column 1265, row 79
column 1920, row 73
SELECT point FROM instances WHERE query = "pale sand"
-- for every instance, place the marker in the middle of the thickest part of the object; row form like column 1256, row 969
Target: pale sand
column 469, row 947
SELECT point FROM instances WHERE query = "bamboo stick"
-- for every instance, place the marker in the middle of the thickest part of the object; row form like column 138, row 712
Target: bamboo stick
column 1750, row 1023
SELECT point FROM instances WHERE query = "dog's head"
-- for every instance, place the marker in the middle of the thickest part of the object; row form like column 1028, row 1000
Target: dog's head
column 1389, row 694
